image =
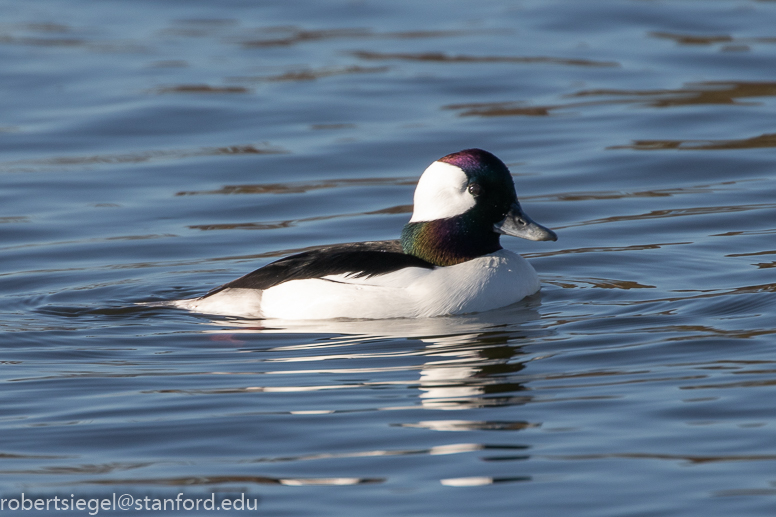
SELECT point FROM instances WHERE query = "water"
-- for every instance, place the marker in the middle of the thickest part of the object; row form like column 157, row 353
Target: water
column 153, row 150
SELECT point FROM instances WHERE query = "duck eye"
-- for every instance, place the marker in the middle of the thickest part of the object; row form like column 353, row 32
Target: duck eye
column 475, row 189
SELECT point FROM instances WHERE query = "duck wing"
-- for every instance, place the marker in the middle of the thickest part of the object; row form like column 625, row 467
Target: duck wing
column 356, row 259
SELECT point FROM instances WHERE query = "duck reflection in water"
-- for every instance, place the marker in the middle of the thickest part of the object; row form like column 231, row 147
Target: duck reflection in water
column 459, row 363
column 471, row 360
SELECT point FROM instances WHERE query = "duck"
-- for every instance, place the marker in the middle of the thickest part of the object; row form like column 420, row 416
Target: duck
column 448, row 260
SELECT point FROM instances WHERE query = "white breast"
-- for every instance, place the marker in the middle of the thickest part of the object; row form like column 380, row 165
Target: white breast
column 481, row 284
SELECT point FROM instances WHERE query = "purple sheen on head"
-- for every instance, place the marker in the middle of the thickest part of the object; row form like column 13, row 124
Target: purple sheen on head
column 473, row 160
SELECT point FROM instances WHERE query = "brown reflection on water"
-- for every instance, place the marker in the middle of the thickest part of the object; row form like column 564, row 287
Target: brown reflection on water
column 201, row 88
column 596, row 379
column 769, row 231
column 290, row 35
column 44, row 42
column 251, row 226
column 708, row 92
column 671, row 457
column 198, row 28
column 675, row 212
column 697, row 294
column 287, row 36
column 727, row 385
column 15, row 456
column 757, row 142
column 441, row 57
column 745, row 492
column 312, row 75
column 45, row 34
column 691, row 39
column 157, row 264
column 309, row 74
column 99, row 468
column 14, row 219
column 46, row 27
column 52, row 35
column 600, row 283
column 399, row 209
column 690, row 332
column 752, row 254
column 500, row 109
column 601, row 195
column 705, row 93
column 296, row 188
column 299, row 188
column 695, row 39
column 324, row 127
column 169, row 63
column 138, row 157
column 603, row 249
column 90, row 240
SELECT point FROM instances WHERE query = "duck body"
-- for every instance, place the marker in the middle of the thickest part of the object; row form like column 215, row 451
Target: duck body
column 412, row 291
column 448, row 260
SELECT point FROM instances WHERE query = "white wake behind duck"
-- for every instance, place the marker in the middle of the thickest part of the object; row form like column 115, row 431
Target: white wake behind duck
column 448, row 260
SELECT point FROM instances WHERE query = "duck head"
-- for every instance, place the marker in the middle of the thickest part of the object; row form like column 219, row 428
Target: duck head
column 463, row 203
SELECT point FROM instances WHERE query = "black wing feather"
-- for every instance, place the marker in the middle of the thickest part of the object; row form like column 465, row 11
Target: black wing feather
column 359, row 259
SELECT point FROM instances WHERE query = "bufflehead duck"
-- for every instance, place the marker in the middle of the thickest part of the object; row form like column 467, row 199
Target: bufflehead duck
column 448, row 260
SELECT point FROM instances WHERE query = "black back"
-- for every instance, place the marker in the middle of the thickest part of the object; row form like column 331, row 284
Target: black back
column 358, row 259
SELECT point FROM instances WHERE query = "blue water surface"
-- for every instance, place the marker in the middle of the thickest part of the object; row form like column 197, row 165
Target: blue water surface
column 154, row 150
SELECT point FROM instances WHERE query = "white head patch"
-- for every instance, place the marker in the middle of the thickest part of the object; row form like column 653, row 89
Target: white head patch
column 441, row 193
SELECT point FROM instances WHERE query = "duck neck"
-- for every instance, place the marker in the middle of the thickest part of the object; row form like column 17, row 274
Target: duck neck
column 446, row 242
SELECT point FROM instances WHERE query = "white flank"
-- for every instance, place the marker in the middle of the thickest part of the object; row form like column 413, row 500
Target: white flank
column 477, row 285
column 244, row 303
column 489, row 282
column 441, row 193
